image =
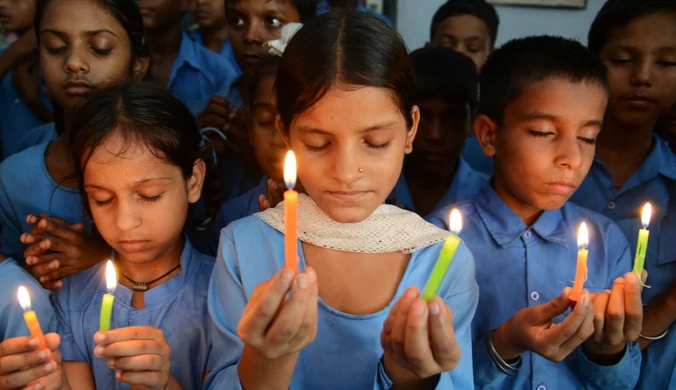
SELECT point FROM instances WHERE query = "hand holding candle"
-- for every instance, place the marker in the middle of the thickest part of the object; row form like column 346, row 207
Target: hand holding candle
column 582, row 254
column 109, row 298
column 290, row 214
column 30, row 317
column 642, row 246
column 445, row 257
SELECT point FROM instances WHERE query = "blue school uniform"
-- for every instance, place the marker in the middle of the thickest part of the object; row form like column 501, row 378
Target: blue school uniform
column 476, row 158
column 27, row 188
column 533, row 265
column 466, row 183
column 40, row 135
column 177, row 307
column 232, row 95
column 12, row 324
column 199, row 73
column 324, row 7
column 15, row 116
column 659, row 358
column 226, row 51
column 346, row 352
column 234, row 209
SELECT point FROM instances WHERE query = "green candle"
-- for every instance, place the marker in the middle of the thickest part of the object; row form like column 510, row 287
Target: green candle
column 642, row 245
column 445, row 257
column 109, row 298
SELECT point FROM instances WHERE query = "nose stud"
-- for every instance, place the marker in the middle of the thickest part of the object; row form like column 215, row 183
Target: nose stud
column 361, row 170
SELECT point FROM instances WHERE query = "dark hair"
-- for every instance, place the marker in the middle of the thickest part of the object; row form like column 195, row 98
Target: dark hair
column 128, row 15
column 353, row 48
column 268, row 67
column 520, row 62
column 617, row 13
column 443, row 73
column 307, row 9
column 479, row 8
column 145, row 114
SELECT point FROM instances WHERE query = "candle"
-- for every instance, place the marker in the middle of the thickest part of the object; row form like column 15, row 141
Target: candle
column 445, row 257
column 290, row 213
column 30, row 317
column 642, row 246
column 109, row 298
column 582, row 254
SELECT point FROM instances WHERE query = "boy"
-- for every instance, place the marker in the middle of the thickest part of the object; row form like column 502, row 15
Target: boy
column 213, row 28
column 190, row 71
column 23, row 104
column 435, row 175
column 542, row 108
column 326, row 5
column 633, row 166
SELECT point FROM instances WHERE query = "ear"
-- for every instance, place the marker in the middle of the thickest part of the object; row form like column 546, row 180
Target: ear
column 485, row 129
column 141, row 66
column 410, row 135
column 280, row 129
column 196, row 181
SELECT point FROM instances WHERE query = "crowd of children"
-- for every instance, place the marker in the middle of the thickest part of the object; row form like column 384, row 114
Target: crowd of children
column 146, row 159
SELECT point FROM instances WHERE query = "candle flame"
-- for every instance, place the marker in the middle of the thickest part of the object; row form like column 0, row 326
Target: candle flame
column 455, row 225
column 646, row 214
column 290, row 170
column 24, row 298
column 583, row 236
column 111, row 277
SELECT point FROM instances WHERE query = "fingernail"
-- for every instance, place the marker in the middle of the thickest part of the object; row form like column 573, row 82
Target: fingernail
column 418, row 309
column 101, row 337
column 287, row 276
column 39, row 386
column 410, row 293
column 312, row 277
column 49, row 367
column 98, row 351
column 585, row 301
column 302, row 281
column 118, row 374
column 32, row 342
column 631, row 278
column 619, row 280
column 111, row 363
column 42, row 356
column 435, row 309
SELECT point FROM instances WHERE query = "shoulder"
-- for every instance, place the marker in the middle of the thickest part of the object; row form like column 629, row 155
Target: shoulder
column 12, row 275
column 70, row 297
column 603, row 232
column 440, row 218
column 39, row 135
column 22, row 169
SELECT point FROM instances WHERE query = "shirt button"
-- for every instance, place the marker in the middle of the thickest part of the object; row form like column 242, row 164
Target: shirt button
column 17, row 100
column 611, row 205
column 542, row 387
column 527, row 234
column 534, row 296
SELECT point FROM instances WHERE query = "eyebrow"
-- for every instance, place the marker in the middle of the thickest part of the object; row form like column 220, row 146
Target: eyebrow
column 136, row 183
column 314, row 130
column 535, row 115
column 471, row 37
column 87, row 33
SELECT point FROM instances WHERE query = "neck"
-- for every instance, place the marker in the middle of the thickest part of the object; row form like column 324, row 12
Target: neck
column 423, row 179
column 215, row 38
column 166, row 42
column 146, row 272
column 528, row 213
column 624, row 142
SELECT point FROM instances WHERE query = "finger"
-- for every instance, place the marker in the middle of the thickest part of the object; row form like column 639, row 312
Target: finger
column 614, row 322
column 58, row 229
column 583, row 333
column 127, row 334
column 78, row 227
column 555, row 307
column 51, row 381
column 18, row 379
column 57, row 220
column 600, row 307
column 398, row 334
column 265, row 307
column 558, row 334
column 633, row 307
column 53, row 285
column 416, row 341
column 287, row 324
column 220, row 101
column 144, row 362
column 17, row 345
column 32, row 219
column 19, row 361
column 442, row 336
column 131, row 348
column 143, row 378
column 43, row 269
column 308, row 327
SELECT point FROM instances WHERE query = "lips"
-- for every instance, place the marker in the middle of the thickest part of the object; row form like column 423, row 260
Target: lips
column 251, row 59
column 638, row 100
column 348, row 196
column 133, row 246
column 561, row 187
column 77, row 88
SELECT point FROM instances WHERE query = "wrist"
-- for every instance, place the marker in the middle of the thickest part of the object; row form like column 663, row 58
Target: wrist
column 403, row 378
column 503, row 343
column 602, row 354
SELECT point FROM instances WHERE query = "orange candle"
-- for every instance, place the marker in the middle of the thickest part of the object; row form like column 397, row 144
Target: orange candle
column 290, row 213
column 30, row 317
column 582, row 254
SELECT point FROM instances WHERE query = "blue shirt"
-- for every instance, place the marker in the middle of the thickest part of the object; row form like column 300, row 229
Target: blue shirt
column 15, row 116
column 533, row 265
column 12, row 324
column 466, row 183
column 177, row 307
column 40, row 135
column 324, row 7
column 346, row 352
column 226, row 51
column 199, row 73
column 27, row 188
column 476, row 158
column 232, row 95
column 234, row 209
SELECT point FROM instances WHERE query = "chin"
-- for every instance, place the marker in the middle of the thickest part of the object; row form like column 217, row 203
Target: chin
column 347, row 214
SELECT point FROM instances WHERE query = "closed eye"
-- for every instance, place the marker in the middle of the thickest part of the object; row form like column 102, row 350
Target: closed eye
column 540, row 134
column 590, row 141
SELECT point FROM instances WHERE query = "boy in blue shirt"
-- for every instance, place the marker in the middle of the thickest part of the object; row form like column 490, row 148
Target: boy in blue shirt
column 435, row 175
column 542, row 108
column 213, row 29
column 190, row 71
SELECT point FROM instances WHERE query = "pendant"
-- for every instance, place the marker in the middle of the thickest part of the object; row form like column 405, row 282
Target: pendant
column 140, row 287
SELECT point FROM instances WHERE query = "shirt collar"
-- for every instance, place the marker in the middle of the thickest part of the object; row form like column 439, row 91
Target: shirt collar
column 188, row 54
column 505, row 227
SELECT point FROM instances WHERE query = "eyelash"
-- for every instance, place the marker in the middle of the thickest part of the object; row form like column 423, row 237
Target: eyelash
column 371, row 146
column 540, row 134
column 149, row 199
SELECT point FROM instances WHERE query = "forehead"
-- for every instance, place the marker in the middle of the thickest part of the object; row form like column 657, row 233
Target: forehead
column 76, row 16
column 260, row 5
column 653, row 30
column 463, row 26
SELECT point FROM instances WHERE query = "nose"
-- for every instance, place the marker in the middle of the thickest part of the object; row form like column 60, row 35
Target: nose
column 435, row 131
column 568, row 153
column 75, row 64
column 253, row 34
column 127, row 216
column 346, row 164
column 642, row 73
column 276, row 140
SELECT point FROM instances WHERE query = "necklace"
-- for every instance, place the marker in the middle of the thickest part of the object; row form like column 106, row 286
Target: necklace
column 143, row 286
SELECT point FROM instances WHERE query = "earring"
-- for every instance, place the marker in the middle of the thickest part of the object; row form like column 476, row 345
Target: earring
column 361, row 170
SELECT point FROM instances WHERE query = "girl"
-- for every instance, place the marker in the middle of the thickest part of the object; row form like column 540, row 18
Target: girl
column 139, row 163
column 344, row 87
column 83, row 47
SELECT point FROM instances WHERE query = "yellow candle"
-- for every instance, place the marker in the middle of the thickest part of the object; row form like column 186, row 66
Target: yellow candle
column 445, row 257
column 109, row 298
column 290, row 213
column 30, row 317
column 582, row 254
column 642, row 245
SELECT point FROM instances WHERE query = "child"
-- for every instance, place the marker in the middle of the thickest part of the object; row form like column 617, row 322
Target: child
column 434, row 174
column 114, row 51
column 269, row 149
column 326, row 5
column 343, row 92
column 213, row 28
column 666, row 128
column 23, row 104
column 139, row 163
column 542, row 106
column 188, row 70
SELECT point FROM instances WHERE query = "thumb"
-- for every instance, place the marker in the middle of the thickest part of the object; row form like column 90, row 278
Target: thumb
column 53, row 341
column 556, row 306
